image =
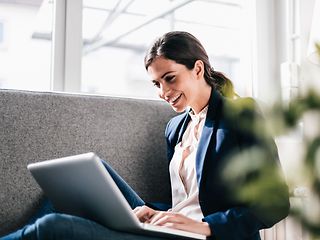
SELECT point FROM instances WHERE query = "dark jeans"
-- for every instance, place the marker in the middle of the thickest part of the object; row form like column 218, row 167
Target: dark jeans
column 47, row 224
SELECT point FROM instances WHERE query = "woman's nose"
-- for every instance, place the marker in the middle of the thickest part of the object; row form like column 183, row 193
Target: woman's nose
column 163, row 91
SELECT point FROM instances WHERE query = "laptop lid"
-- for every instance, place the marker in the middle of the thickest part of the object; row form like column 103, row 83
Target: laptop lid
column 80, row 185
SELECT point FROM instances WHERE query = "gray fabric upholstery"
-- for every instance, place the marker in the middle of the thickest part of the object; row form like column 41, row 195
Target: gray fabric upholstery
column 35, row 126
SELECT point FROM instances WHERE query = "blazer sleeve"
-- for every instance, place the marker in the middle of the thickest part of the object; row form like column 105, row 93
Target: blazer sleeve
column 172, row 133
column 235, row 223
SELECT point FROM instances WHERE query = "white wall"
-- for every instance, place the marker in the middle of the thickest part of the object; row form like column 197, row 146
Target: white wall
column 266, row 67
column 309, row 72
column 270, row 49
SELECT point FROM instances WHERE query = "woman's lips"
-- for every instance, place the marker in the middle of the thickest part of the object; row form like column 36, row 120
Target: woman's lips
column 175, row 99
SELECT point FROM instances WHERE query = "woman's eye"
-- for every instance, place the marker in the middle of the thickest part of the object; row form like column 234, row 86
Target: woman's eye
column 155, row 83
column 169, row 78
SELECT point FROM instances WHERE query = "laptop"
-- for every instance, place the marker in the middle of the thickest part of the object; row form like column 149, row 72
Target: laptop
column 80, row 185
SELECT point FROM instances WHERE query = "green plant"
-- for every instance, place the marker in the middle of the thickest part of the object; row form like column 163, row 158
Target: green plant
column 282, row 118
column 318, row 48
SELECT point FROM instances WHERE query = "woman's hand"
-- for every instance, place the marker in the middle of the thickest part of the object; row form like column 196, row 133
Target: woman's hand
column 144, row 213
column 171, row 220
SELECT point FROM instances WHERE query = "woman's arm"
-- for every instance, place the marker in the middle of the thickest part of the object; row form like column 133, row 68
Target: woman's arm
column 171, row 220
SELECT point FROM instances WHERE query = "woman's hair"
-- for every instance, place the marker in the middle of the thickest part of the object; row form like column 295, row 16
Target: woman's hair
column 185, row 49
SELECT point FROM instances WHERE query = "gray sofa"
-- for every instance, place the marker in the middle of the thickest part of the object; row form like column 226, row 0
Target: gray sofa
column 35, row 126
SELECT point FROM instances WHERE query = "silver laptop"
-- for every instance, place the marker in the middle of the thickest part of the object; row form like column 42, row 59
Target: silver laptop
column 80, row 185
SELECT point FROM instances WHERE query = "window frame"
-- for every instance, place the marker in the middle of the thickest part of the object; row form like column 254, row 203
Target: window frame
column 66, row 46
column 260, row 80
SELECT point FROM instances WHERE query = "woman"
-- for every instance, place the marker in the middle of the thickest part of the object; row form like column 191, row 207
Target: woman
column 201, row 141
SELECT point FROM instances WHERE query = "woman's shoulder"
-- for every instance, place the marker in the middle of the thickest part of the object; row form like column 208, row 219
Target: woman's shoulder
column 221, row 107
column 242, row 106
column 242, row 102
column 176, row 122
column 245, row 116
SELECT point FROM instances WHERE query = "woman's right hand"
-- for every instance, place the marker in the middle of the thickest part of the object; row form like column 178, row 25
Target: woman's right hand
column 144, row 213
column 171, row 220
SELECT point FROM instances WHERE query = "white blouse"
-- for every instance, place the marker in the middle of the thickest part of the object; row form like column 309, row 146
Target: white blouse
column 182, row 169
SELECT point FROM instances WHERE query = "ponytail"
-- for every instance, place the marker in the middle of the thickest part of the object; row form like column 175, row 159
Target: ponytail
column 222, row 84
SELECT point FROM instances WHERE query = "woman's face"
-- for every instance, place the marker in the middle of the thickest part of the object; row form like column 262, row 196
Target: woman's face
column 177, row 84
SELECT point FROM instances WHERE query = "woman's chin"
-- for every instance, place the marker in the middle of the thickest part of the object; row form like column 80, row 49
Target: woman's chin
column 178, row 109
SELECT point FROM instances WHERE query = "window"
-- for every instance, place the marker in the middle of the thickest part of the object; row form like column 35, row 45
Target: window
column 25, row 44
column 1, row 32
column 116, row 35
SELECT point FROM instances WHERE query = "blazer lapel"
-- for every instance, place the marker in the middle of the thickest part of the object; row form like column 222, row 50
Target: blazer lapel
column 203, row 146
column 214, row 109
column 184, row 126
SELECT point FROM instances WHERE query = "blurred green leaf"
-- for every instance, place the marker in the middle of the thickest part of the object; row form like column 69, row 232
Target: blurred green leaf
column 250, row 179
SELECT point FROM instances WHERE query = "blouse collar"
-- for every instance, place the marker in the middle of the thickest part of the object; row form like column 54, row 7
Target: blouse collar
column 201, row 115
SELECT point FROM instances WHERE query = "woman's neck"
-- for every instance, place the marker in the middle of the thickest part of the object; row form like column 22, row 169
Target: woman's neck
column 202, row 99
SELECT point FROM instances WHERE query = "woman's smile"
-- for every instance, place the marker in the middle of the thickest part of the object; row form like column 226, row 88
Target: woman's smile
column 174, row 100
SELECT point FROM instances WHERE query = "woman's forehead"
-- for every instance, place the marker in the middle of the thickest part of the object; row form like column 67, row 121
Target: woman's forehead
column 164, row 64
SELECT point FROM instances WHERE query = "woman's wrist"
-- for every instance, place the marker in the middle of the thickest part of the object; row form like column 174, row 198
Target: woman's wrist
column 206, row 229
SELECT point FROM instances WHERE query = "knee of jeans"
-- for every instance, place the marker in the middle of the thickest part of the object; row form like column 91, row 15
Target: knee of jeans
column 51, row 226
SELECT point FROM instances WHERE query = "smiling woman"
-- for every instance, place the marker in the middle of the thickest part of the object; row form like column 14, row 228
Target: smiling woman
column 215, row 126
column 208, row 135
column 179, row 86
column 176, row 53
column 182, row 72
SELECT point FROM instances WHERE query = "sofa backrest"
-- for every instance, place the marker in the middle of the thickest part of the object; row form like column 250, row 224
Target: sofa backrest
column 35, row 126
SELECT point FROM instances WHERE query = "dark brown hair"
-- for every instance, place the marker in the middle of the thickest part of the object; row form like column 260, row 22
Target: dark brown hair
column 184, row 48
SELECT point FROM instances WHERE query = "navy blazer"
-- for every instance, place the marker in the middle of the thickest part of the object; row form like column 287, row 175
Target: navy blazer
column 223, row 136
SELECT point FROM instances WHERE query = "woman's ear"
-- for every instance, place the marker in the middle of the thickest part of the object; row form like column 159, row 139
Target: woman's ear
column 199, row 68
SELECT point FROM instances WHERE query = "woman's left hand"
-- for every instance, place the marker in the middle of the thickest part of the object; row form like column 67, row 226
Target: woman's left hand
column 181, row 222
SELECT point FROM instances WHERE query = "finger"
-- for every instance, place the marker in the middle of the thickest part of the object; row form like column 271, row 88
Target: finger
column 141, row 209
column 144, row 213
column 156, row 217
column 161, row 221
column 170, row 218
column 136, row 209
column 164, row 217
column 174, row 225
